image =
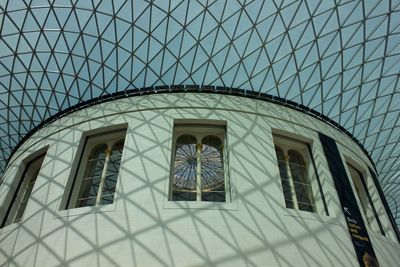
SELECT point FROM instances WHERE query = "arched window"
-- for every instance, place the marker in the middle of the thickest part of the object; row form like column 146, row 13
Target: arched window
column 97, row 175
column 198, row 171
column 365, row 198
column 22, row 191
column 294, row 173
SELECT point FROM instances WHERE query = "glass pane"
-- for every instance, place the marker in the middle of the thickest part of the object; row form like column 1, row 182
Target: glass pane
column 212, row 170
column 287, row 193
column 217, row 195
column 95, row 163
column 94, row 168
column 89, row 189
column 306, row 207
column 85, row 202
column 91, row 179
column 304, row 197
column 107, row 199
column 110, row 180
column 110, row 183
column 117, row 148
column 185, row 165
column 301, row 183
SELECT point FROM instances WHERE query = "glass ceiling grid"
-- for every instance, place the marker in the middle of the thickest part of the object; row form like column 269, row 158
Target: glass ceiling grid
column 340, row 58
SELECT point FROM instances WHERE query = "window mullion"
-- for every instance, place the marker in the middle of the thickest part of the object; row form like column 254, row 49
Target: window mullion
column 199, row 147
column 103, row 176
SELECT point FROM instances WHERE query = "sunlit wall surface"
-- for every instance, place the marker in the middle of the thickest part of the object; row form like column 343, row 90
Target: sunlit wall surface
column 340, row 58
column 144, row 226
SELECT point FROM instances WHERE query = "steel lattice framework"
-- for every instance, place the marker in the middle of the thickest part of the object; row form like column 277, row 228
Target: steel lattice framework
column 340, row 58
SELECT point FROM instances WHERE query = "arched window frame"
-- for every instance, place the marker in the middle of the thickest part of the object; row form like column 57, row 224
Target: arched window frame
column 199, row 132
column 21, row 188
column 289, row 144
column 367, row 206
column 110, row 139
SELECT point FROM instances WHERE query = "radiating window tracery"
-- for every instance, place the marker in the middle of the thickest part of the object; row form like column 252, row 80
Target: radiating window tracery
column 185, row 169
column 212, row 169
column 54, row 60
column 198, row 171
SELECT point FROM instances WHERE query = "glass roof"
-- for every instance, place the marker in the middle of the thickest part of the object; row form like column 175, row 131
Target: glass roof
column 340, row 58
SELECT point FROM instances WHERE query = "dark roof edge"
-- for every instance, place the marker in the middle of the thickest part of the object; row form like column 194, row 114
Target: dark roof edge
column 188, row 89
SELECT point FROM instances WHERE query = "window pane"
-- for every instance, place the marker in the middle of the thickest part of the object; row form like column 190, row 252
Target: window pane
column 110, row 181
column 212, row 170
column 301, row 183
column 91, row 180
column 95, row 163
column 287, row 193
column 185, row 166
column 84, row 202
column 107, row 199
column 89, row 189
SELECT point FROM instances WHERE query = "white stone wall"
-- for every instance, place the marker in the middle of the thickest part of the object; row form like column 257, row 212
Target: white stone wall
column 143, row 228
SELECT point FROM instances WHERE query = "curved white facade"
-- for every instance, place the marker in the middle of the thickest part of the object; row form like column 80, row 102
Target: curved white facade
column 143, row 227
